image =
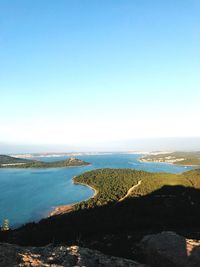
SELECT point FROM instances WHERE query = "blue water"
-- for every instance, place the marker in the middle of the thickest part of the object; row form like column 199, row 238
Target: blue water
column 30, row 194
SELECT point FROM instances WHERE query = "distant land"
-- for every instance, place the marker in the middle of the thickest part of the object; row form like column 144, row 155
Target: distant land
column 59, row 154
column 178, row 158
column 183, row 158
column 135, row 144
column 14, row 162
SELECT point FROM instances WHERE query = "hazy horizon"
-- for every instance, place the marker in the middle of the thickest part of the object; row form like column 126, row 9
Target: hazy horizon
column 99, row 74
column 142, row 145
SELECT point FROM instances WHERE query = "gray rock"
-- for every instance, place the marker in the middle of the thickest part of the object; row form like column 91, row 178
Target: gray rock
column 168, row 249
column 60, row 256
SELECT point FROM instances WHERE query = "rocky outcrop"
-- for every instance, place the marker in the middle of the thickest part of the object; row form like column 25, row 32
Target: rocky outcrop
column 60, row 256
column 168, row 249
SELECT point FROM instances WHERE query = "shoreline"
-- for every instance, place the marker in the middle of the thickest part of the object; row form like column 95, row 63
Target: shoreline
column 63, row 209
column 42, row 168
column 172, row 163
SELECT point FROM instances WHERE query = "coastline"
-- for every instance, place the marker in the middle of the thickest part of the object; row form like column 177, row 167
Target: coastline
column 172, row 163
column 41, row 168
column 63, row 209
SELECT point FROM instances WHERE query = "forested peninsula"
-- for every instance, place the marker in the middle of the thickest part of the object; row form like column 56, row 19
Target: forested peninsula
column 12, row 162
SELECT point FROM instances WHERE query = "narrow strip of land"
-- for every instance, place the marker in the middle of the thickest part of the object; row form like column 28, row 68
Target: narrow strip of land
column 130, row 191
column 60, row 210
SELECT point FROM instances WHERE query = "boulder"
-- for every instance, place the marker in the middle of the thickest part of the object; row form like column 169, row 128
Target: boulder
column 167, row 249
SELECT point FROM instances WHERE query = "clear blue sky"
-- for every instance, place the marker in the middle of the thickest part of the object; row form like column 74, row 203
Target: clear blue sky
column 81, row 71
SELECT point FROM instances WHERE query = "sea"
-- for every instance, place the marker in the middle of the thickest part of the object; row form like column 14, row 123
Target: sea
column 28, row 195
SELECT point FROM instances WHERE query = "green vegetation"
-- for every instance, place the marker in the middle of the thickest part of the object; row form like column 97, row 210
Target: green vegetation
column 11, row 162
column 179, row 158
column 113, row 184
column 110, row 184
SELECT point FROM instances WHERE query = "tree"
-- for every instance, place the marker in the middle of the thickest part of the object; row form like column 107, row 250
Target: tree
column 5, row 225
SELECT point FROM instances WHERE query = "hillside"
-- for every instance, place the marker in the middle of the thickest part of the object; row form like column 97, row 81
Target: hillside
column 178, row 158
column 12, row 162
column 160, row 202
column 113, row 184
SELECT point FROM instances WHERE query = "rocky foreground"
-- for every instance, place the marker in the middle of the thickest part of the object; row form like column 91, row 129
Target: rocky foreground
column 166, row 249
column 59, row 256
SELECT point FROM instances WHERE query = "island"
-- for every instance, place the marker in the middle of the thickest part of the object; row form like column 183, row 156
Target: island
column 178, row 158
column 13, row 162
